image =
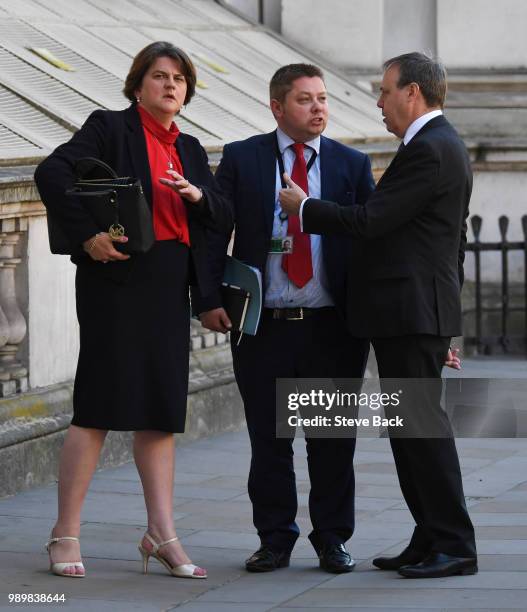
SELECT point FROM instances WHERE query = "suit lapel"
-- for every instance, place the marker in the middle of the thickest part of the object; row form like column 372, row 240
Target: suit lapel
column 329, row 184
column 396, row 160
column 386, row 173
column 328, row 167
column 266, row 161
column 181, row 148
column 137, row 151
column 439, row 121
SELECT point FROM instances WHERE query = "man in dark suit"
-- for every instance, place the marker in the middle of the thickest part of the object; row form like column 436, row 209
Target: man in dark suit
column 413, row 231
column 302, row 329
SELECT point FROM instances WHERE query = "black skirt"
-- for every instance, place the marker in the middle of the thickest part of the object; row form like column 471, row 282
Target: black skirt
column 133, row 364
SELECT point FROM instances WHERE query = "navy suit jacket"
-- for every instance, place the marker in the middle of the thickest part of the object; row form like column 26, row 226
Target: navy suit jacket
column 247, row 177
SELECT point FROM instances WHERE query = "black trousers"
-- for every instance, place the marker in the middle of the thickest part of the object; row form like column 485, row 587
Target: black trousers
column 317, row 347
column 428, row 468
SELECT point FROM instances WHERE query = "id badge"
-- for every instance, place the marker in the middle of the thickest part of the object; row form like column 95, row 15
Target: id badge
column 281, row 245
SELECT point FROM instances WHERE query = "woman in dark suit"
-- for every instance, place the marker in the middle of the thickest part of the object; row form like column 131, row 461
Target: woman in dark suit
column 133, row 311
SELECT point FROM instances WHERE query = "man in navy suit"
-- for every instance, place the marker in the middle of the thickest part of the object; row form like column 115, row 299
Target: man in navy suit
column 302, row 329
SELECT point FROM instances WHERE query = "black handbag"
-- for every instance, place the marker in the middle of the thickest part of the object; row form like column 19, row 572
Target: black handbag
column 117, row 205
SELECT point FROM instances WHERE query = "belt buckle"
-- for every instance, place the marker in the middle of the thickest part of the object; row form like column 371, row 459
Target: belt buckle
column 301, row 310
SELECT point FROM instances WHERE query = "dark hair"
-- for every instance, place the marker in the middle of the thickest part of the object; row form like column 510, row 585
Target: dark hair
column 147, row 56
column 282, row 80
column 427, row 72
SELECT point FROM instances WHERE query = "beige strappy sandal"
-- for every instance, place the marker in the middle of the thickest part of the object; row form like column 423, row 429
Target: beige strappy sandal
column 187, row 570
column 58, row 568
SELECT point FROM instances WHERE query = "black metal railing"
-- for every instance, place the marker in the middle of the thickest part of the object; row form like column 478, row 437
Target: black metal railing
column 484, row 340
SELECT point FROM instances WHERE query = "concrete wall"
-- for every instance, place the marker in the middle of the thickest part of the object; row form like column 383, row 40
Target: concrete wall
column 272, row 11
column 362, row 33
column 273, row 14
column 346, row 33
column 482, row 33
column 247, row 7
column 52, row 321
column 409, row 25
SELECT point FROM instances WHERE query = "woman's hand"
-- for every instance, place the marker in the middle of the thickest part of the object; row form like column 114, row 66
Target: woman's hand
column 100, row 248
column 185, row 189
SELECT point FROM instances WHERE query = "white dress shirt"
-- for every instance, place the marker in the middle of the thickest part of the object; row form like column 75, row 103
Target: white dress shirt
column 280, row 291
column 414, row 127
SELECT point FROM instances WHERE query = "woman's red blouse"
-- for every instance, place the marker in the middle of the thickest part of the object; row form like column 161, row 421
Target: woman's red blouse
column 169, row 211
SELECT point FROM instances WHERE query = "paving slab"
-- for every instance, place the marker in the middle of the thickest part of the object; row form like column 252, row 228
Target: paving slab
column 355, row 608
column 369, row 529
column 515, row 495
column 503, row 507
column 374, row 578
column 410, row 599
column 375, row 608
column 502, row 547
column 498, row 518
column 375, row 505
column 374, row 469
column 502, row 532
column 387, row 491
column 502, row 563
column 219, row 606
column 263, row 588
column 229, row 482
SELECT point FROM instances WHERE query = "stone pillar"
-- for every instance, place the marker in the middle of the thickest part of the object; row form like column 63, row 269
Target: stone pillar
column 5, row 384
column 13, row 328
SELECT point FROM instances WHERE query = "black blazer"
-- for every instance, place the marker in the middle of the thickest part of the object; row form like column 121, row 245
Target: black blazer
column 117, row 138
column 247, row 175
column 413, row 228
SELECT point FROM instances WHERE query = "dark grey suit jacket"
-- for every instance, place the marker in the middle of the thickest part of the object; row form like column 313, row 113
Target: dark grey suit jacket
column 117, row 138
column 407, row 278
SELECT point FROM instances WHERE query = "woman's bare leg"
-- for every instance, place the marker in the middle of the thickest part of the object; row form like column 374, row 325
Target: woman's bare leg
column 78, row 460
column 154, row 453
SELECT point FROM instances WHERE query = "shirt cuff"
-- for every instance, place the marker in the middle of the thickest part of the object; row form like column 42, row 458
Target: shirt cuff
column 300, row 213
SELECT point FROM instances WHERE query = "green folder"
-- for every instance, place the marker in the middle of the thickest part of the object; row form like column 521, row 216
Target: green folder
column 249, row 279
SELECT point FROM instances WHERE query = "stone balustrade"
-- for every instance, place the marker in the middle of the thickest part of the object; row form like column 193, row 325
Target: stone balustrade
column 13, row 327
column 13, row 310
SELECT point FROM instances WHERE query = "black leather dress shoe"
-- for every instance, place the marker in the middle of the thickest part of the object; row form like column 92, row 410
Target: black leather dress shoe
column 336, row 559
column 409, row 556
column 267, row 560
column 439, row 565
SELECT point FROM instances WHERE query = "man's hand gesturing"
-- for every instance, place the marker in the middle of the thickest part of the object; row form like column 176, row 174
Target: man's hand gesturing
column 291, row 198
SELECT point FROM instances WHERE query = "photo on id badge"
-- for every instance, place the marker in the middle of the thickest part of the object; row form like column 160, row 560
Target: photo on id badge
column 281, row 245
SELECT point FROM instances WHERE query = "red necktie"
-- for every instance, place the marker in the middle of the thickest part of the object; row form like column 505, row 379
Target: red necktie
column 298, row 265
